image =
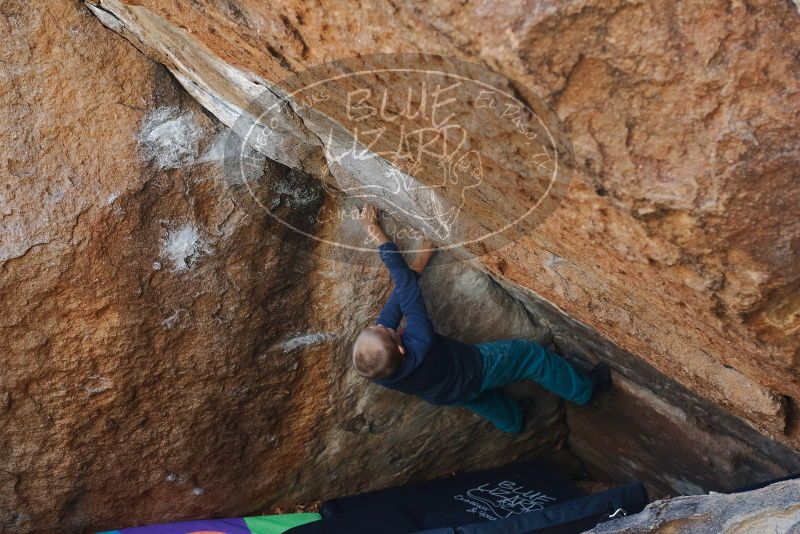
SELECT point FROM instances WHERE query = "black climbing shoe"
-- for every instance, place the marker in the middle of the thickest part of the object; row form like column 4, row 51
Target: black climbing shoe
column 526, row 403
column 600, row 375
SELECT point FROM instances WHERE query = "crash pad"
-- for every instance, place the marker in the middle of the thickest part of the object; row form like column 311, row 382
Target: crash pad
column 462, row 499
column 265, row 524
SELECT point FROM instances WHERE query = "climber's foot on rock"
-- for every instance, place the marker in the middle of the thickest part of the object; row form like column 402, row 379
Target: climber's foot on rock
column 600, row 375
column 526, row 403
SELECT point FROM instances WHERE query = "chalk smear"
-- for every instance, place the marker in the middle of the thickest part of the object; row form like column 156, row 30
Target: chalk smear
column 306, row 340
column 182, row 245
column 169, row 138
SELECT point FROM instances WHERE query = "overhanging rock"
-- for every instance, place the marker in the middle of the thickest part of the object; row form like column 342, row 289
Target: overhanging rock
column 671, row 325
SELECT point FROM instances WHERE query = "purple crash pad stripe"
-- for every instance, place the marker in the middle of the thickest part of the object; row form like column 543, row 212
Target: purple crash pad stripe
column 206, row 526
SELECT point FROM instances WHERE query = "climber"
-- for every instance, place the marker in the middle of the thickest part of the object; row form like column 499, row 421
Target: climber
column 442, row 370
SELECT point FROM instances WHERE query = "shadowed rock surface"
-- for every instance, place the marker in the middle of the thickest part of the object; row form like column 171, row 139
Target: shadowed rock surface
column 169, row 351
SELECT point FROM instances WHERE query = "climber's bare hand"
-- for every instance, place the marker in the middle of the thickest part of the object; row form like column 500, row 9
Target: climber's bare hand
column 368, row 218
column 425, row 250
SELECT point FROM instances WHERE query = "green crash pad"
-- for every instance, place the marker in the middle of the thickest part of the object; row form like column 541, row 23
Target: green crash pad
column 264, row 524
column 278, row 524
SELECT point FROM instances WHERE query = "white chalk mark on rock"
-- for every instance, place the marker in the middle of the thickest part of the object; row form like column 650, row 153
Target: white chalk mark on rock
column 216, row 151
column 307, row 340
column 170, row 321
column 182, row 245
column 294, row 196
column 169, row 138
column 97, row 384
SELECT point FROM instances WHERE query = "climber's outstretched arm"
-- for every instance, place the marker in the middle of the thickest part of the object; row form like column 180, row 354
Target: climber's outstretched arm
column 406, row 298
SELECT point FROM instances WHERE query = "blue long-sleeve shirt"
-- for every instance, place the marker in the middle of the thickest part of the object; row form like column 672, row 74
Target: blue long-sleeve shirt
column 436, row 368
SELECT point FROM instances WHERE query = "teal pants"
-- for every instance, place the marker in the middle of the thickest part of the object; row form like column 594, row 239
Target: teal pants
column 514, row 360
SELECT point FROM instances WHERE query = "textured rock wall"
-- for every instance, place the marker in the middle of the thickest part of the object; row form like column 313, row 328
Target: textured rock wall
column 774, row 508
column 678, row 240
column 636, row 251
column 168, row 350
column 651, row 428
column 681, row 114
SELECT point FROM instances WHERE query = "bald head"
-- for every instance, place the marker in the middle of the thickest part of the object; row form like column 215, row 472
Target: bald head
column 377, row 352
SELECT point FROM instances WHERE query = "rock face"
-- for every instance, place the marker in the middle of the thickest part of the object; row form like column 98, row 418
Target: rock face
column 170, row 351
column 775, row 508
column 664, row 201
column 651, row 428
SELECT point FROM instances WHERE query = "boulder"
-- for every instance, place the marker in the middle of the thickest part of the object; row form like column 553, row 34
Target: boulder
column 645, row 264
column 774, row 508
column 171, row 350
column 684, row 150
